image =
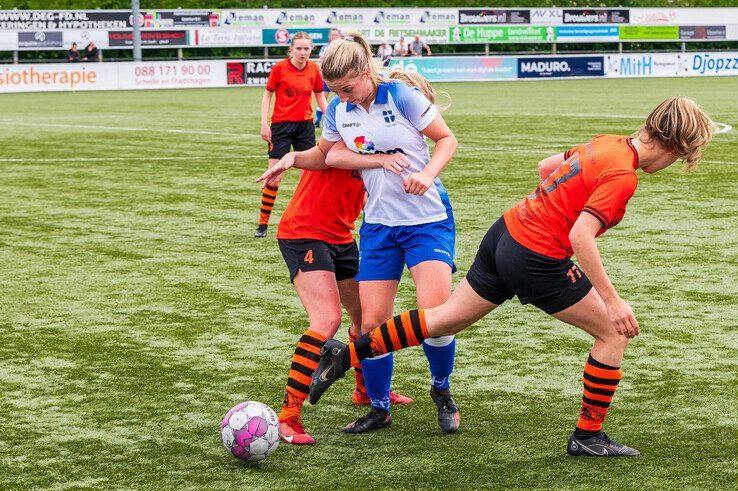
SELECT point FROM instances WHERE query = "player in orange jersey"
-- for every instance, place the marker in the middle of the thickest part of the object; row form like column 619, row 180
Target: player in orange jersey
column 294, row 81
column 315, row 239
column 528, row 251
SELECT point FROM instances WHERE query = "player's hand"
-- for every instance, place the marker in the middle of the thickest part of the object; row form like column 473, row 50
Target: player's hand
column 266, row 133
column 273, row 176
column 417, row 183
column 394, row 162
column 622, row 317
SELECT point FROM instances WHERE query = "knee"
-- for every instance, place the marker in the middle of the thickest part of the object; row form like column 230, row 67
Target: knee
column 327, row 326
column 616, row 341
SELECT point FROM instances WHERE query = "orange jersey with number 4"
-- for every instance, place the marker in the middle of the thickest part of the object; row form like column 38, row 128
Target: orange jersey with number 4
column 324, row 207
column 597, row 178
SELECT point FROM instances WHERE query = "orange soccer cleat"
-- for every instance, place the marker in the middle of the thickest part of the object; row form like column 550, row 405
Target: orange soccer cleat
column 360, row 398
column 292, row 432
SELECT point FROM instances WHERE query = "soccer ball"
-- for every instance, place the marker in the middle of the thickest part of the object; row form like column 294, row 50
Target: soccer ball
column 250, row 431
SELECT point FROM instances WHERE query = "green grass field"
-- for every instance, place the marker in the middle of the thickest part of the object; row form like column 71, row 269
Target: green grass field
column 136, row 307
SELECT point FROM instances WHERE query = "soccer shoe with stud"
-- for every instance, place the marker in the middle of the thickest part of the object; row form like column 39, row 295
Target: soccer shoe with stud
column 291, row 431
column 335, row 361
column 599, row 445
column 359, row 398
column 448, row 412
column 261, row 231
column 373, row 420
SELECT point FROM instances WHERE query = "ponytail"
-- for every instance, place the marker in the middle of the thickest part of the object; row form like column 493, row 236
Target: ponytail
column 353, row 54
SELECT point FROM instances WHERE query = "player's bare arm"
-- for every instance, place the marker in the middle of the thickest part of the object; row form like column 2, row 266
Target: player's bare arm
column 266, row 104
column 418, row 182
column 341, row 157
column 582, row 237
column 313, row 159
column 549, row 164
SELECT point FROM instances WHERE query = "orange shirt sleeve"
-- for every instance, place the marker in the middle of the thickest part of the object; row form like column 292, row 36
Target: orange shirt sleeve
column 610, row 195
column 274, row 77
column 318, row 85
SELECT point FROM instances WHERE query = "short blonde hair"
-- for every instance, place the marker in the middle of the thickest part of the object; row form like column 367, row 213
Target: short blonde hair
column 681, row 127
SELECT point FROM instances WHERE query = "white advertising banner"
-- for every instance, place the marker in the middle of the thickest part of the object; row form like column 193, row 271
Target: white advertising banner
column 672, row 64
column 58, row 77
column 172, row 75
column 683, row 16
column 8, row 41
column 213, row 36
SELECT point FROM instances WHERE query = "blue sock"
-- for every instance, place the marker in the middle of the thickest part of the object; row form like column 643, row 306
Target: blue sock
column 318, row 116
column 441, row 352
column 377, row 379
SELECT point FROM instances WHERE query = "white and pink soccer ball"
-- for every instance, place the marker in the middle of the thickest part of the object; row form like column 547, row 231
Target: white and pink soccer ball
column 250, row 431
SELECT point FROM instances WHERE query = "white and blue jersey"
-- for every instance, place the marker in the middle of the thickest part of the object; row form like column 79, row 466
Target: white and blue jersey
column 393, row 124
column 399, row 228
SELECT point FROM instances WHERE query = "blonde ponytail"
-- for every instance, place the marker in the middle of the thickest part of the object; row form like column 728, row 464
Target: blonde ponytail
column 353, row 54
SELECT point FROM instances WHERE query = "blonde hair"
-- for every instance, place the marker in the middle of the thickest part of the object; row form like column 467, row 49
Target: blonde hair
column 353, row 54
column 300, row 35
column 681, row 127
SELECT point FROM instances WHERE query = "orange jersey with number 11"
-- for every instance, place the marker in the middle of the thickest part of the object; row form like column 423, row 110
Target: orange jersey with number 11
column 597, row 178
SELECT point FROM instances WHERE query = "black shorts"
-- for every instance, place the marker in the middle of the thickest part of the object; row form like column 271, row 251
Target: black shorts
column 300, row 135
column 504, row 268
column 317, row 255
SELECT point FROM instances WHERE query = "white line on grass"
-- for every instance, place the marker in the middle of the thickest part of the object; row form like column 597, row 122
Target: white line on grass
column 128, row 128
column 127, row 159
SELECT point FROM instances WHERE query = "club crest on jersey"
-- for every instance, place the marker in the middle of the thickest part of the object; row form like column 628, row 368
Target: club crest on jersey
column 389, row 116
column 363, row 145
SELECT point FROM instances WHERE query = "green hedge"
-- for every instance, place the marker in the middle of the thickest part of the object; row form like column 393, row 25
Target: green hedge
column 203, row 4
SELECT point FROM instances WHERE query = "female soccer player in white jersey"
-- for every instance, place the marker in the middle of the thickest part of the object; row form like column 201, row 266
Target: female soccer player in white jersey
column 379, row 126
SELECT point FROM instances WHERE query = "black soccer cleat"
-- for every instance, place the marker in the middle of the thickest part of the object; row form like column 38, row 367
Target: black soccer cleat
column 373, row 420
column 261, row 231
column 334, row 363
column 448, row 412
column 599, row 445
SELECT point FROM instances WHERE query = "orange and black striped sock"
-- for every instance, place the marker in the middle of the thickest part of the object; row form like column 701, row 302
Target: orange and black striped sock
column 402, row 331
column 358, row 372
column 268, row 197
column 304, row 362
column 600, row 382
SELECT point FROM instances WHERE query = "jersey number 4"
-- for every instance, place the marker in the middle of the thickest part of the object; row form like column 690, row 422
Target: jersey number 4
column 309, row 257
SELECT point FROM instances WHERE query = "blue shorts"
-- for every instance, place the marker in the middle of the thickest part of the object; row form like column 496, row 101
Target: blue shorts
column 384, row 251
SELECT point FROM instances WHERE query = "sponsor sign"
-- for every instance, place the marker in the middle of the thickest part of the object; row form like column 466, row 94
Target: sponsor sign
column 227, row 37
column 493, row 16
column 501, row 34
column 596, row 16
column 731, row 32
column 645, row 65
column 58, row 77
column 710, row 64
column 243, row 18
column 21, row 20
column 281, row 37
column 546, row 17
column 83, row 38
column 561, row 66
column 179, row 18
column 170, row 75
column 587, row 33
column 702, row 32
column 649, row 33
column 431, row 35
column 249, row 72
column 393, row 17
column 148, row 38
column 460, row 69
column 439, row 17
column 41, row 40
column 683, row 16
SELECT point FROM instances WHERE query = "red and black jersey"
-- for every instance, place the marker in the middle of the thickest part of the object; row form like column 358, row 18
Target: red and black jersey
column 294, row 89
